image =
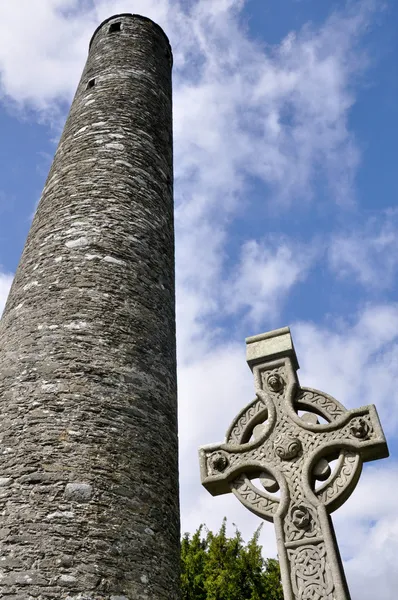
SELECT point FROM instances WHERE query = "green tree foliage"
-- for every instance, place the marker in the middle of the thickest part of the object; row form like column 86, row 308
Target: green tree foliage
column 215, row 567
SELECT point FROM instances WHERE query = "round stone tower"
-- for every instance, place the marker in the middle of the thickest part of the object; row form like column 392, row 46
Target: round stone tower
column 88, row 429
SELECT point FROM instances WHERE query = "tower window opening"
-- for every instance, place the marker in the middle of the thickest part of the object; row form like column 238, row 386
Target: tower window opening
column 113, row 27
column 90, row 83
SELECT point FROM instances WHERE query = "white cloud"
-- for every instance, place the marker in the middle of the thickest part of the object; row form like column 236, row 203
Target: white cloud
column 242, row 112
column 35, row 69
column 368, row 254
column 263, row 277
column 212, row 389
column 5, row 284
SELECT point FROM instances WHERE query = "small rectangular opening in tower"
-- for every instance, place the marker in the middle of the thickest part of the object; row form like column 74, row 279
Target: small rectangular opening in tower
column 90, row 83
column 113, row 27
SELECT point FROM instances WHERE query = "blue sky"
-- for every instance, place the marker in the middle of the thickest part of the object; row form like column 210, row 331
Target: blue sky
column 285, row 127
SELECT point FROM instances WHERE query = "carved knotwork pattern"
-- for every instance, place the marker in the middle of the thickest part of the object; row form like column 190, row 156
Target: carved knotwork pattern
column 291, row 470
column 259, row 502
column 339, row 480
column 310, row 574
column 238, row 430
column 313, row 440
column 326, row 405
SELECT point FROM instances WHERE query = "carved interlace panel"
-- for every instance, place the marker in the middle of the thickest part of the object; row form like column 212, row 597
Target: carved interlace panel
column 244, row 420
column 258, row 502
column 349, row 463
column 328, row 406
column 310, row 574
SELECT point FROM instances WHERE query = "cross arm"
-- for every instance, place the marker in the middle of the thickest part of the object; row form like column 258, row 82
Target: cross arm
column 226, row 468
column 361, row 431
column 358, row 429
column 220, row 464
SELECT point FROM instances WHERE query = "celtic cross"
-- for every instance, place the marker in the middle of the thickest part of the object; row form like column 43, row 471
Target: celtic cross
column 277, row 458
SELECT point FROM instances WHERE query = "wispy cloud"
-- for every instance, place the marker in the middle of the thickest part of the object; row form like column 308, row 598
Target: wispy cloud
column 243, row 111
column 263, row 278
column 368, row 254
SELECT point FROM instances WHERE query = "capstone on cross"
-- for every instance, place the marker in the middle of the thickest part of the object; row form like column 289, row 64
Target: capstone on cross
column 276, row 461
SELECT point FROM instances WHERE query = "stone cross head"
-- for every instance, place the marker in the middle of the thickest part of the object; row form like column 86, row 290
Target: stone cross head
column 293, row 456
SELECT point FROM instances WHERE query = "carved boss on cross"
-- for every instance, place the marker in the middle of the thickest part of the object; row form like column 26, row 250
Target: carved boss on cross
column 284, row 441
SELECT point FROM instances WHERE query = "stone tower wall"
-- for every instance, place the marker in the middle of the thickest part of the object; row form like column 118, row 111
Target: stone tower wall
column 88, row 428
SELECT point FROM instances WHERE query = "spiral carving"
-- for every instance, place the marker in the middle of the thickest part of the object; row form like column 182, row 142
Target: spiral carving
column 286, row 447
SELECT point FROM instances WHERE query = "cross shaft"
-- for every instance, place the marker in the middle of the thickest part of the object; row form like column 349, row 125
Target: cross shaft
column 278, row 444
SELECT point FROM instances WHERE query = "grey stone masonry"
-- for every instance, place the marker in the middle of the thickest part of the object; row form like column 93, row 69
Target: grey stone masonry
column 88, row 423
column 278, row 460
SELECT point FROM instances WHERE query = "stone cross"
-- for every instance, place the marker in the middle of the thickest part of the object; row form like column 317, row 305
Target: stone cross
column 277, row 458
